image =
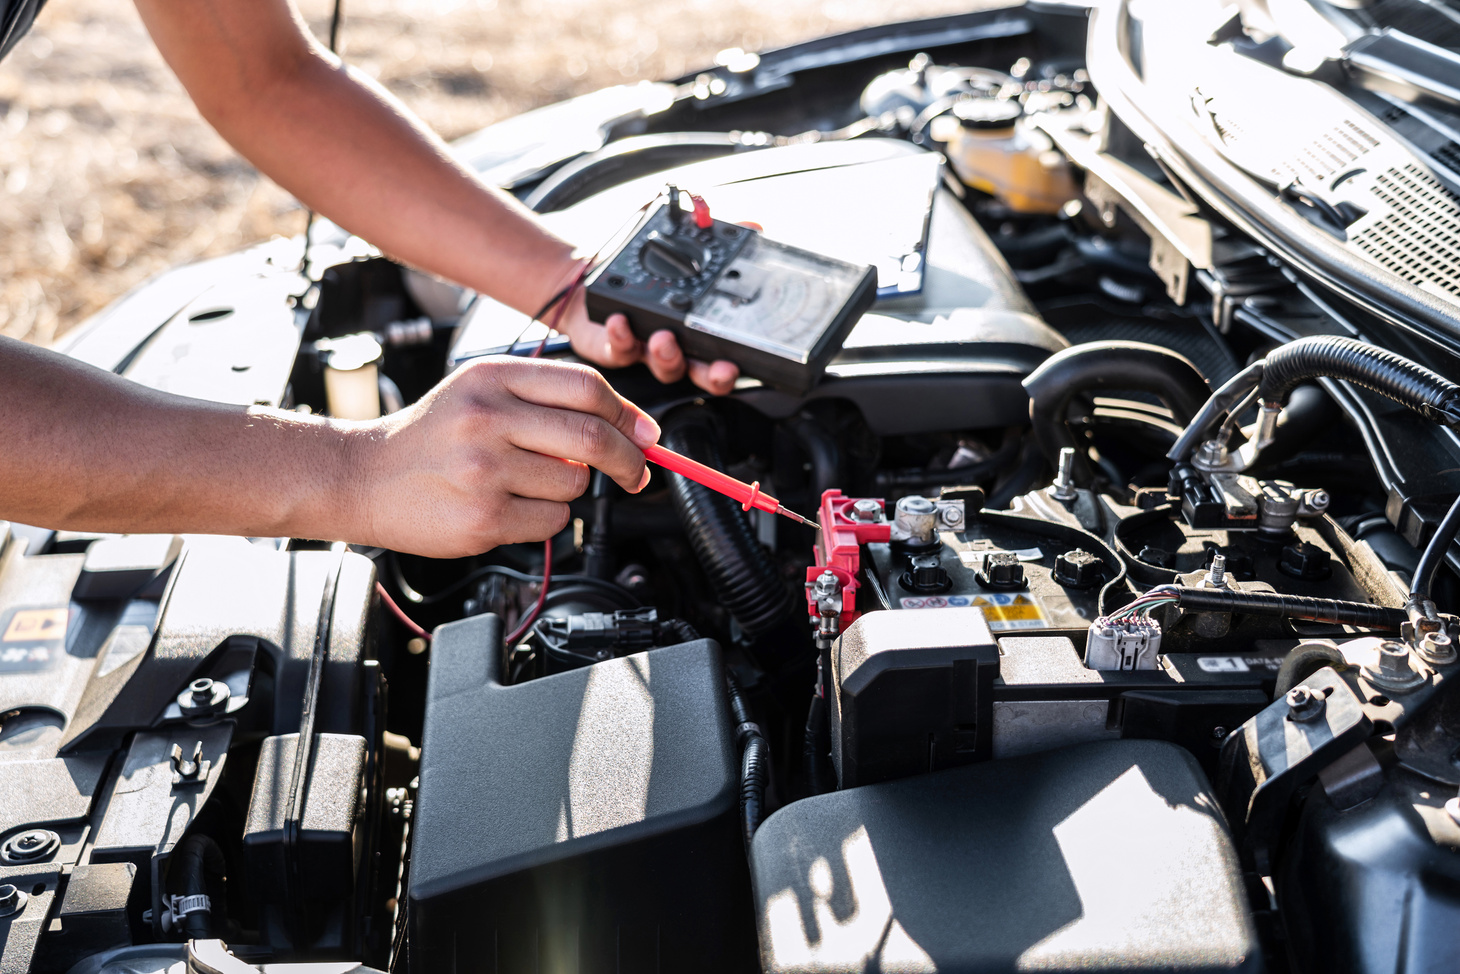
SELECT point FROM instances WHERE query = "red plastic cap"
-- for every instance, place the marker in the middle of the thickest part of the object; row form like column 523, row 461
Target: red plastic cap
column 702, row 212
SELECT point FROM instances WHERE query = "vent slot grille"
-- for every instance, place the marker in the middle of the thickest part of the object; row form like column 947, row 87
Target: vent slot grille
column 1329, row 154
column 1419, row 238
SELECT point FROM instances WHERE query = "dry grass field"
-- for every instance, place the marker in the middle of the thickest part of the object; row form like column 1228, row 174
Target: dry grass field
column 107, row 175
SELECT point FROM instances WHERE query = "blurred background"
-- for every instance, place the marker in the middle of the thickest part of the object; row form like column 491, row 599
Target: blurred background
column 108, row 175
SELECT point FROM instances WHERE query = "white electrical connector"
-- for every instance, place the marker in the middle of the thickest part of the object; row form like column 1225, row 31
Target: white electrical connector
column 1123, row 644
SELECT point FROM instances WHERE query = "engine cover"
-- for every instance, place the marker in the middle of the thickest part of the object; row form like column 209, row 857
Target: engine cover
column 583, row 821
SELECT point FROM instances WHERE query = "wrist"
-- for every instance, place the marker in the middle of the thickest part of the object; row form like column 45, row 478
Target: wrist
column 568, row 273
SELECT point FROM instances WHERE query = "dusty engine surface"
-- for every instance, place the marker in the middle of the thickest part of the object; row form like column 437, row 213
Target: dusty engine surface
column 1121, row 639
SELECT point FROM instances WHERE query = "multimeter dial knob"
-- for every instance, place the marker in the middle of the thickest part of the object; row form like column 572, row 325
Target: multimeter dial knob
column 671, row 258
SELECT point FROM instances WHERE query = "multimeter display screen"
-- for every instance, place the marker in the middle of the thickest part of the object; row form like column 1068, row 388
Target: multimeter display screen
column 776, row 298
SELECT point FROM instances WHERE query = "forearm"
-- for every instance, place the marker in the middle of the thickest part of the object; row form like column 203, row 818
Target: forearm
column 87, row 450
column 344, row 146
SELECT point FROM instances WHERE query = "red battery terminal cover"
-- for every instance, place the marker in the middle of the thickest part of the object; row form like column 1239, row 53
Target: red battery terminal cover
column 838, row 546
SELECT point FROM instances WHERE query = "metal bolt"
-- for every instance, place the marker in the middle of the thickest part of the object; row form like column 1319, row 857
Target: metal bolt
column 1436, row 647
column 1063, row 488
column 1218, row 575
column 867, row 509
column 1304, row 704
column 12, row 900
column 1317, row 501
column 1219, row 733
column 826, row 585
column 951, row 515
column 1395, row 670
column 1213, row 452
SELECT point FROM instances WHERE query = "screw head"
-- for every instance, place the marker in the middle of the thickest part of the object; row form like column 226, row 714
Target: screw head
column 1304, row 704
column 867, row 509
column 31, row 845
column 1219, row 733
column 12, row 900
column 951, row 515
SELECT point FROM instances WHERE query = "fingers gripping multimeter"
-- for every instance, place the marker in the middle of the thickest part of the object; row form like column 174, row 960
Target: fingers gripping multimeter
column 726, row 291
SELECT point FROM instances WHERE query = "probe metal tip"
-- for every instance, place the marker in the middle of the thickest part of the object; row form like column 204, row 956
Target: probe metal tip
column 782, row 509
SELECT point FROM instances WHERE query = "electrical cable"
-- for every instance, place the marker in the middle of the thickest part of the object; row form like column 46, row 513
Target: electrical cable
column 396, row 611
column 1430, row 561
column 547, row 576
column 417, row 598
column 1359, row 614
column 335, row 17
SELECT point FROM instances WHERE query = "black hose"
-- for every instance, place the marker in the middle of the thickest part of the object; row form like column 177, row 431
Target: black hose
column 741, row 572
column 754, row 762
column 196, row 858
column 678, row 630
column 1434, row 556
column 1376, row 369
column 1113, row 366
column 1334, row 611
column 814, row 745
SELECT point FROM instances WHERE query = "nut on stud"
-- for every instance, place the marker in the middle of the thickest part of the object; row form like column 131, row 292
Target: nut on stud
column 203, row 698
column 12, row 900
column 1437, row 648
column 1304, row 704
column 867, row 509
column 1394, row 670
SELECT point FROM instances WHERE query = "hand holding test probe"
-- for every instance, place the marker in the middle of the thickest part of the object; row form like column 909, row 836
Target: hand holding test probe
column 749, row 495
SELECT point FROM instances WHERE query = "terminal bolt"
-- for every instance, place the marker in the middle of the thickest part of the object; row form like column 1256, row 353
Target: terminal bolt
column 1063, row 488
column 1436, row 647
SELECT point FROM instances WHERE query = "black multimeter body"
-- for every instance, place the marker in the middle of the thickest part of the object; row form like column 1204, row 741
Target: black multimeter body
column 728, row 292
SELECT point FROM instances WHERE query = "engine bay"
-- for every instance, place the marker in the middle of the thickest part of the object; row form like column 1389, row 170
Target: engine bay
column 1119, row 640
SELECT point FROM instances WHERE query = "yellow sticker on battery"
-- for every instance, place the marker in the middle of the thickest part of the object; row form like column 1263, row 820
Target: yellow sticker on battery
column 1002, row 610
column 1009, row 610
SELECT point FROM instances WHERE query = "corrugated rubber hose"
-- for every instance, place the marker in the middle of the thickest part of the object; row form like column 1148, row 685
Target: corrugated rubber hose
column 754, row 762
column 744, row 578
column 1110, row 366
column 1376, row 369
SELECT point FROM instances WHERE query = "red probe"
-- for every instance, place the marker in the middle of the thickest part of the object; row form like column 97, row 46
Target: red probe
column 749, row 495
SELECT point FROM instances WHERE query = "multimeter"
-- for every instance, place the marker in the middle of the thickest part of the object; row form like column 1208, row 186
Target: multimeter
column 728, row 292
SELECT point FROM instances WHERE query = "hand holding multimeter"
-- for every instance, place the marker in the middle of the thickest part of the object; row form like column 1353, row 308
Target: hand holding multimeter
column 728, row 292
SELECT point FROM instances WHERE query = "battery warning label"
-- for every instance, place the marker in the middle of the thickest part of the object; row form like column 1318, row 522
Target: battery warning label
column 1002, row 610
column 32, row 639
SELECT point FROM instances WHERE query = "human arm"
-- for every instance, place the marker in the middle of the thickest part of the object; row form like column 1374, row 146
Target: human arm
column 342, row 144
column 473, row 464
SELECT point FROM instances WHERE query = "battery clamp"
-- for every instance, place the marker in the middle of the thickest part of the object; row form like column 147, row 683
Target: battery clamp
column 728, row 292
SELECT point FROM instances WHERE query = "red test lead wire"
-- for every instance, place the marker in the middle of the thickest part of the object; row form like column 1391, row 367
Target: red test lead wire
column 749, row 495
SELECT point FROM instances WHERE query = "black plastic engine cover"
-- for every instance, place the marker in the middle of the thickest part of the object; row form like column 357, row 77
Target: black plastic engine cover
column 1109, row 856
column 585, row 821
column 914, row 694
